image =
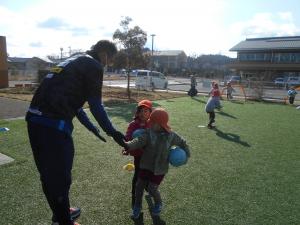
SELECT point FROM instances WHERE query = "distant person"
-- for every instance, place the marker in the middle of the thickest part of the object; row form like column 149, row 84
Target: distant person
column 156, row 143
column 57, row 101
column 212, row 104
column 292, row 94
column 193, row 91
column 140, row 121
column 193, row 81
column 229, row 90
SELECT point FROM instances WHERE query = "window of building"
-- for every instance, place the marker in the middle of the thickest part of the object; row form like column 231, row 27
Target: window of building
column 285, row 57
column 295, row 57
column 276, row 57
column 254, row 57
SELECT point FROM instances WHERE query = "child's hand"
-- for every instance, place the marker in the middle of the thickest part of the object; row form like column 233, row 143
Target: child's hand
column 124, row 152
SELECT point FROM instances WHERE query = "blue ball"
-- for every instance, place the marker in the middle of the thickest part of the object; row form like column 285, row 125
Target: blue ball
column 137, row 133
column 177, row 156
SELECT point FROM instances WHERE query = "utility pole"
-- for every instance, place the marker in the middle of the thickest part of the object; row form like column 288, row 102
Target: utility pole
column 152, row 60
column 61, row 52
column 3, row 63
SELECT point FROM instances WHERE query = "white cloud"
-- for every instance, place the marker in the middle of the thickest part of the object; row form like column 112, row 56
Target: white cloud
column 192, row 26
column 195, row 26
column 266, row 25
column 287, row 16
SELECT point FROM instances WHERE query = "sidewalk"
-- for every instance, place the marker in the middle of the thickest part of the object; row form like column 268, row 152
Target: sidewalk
column 12, row 108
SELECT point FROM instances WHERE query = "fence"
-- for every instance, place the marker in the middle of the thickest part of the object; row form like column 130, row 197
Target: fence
column 259, row 90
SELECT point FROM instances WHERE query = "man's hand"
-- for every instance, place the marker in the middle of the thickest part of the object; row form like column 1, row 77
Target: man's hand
column 119, row 138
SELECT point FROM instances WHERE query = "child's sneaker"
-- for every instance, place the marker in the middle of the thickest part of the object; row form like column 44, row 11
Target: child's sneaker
column 136, row 211
column 209, row 126
column 157, row 209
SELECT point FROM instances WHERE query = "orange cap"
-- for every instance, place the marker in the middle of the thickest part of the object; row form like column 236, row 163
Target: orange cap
column 160, row 116
column 146, row 103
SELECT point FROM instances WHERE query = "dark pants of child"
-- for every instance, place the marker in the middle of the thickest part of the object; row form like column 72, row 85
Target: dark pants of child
column 53, row 152
column 291, row 100
column 212, row 117
column 137, row 160
column 145, row 178
column 229, row 96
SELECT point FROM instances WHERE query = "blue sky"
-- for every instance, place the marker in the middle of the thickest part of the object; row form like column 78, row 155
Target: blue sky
column 42, row 27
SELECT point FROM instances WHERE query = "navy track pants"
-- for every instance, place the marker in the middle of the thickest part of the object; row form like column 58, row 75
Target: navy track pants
column 53, row 152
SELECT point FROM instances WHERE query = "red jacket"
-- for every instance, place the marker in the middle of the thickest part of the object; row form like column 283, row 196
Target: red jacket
column 214, row 92
column 134, row 125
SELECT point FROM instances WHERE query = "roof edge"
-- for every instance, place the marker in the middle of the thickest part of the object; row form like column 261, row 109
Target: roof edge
column 272, row 38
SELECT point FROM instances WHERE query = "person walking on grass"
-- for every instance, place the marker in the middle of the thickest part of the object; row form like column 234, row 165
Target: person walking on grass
column 213, row 103
column 140, row 121
column 193, row 91
column 156, row 143
column 291, row 95
column 56, row 102
column 229, row 90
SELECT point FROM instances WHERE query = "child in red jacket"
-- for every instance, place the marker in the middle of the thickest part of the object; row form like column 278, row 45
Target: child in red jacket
column 140, row 121
column 212, row 103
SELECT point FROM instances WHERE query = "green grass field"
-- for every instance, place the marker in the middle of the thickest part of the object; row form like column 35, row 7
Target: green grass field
column 246, row 172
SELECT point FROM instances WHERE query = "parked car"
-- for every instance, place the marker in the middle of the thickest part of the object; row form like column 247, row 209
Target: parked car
column 146, row 79
column 124, row 73
column 292, row 81
column 279, row 82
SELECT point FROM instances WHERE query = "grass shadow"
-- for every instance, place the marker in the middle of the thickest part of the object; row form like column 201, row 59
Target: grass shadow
column 198, row 100
column 237, row 102
column 226, row 114
column 231, row 137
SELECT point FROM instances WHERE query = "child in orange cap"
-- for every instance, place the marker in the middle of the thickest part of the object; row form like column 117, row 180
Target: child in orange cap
column 156, row 143
column 140, row 121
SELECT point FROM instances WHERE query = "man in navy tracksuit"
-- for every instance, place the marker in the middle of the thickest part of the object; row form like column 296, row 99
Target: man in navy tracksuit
column 57, row 101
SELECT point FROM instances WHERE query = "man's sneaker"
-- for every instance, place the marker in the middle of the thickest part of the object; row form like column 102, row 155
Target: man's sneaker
column 209, row 126
column 56, row 223
column 157, row 209
column 74, row 214
column 136, row 211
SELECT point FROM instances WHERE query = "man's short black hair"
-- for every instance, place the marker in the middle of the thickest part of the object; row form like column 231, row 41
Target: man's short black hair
column 105, row 46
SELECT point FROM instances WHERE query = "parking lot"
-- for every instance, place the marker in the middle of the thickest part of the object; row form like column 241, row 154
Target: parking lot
column 203, row 86
column 269, row 89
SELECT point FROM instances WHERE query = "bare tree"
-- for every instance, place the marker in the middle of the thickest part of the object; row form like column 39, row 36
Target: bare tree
column 132, row 41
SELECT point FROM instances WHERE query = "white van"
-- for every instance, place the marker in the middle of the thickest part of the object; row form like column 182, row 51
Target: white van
column 146, row 79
